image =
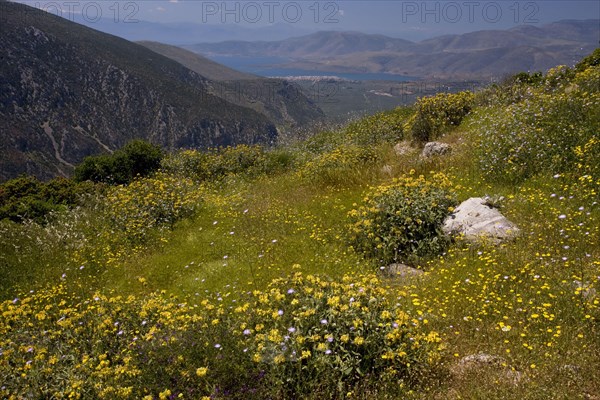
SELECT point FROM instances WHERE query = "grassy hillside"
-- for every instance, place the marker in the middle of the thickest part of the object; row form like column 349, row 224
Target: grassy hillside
column 252, row 273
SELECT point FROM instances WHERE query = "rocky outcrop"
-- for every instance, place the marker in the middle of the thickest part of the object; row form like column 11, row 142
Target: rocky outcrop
column 398, row 270
column 475, row 220
column 435, row 149
column 490, row 364
column 481, row 359
column 403, row 148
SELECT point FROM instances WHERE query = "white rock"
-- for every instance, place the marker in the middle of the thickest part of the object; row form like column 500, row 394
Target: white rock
column 483, row 363
column 481, row 359
column 475, row 221
column 401, row 271
column 435, row 149
column 403, row 148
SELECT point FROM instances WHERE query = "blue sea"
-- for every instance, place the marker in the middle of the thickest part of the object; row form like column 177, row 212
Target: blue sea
column 267, row 66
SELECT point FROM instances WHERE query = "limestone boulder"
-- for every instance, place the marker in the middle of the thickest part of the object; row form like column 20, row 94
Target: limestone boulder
column 435, row 149
column 398, row 270
column 475, row 220
column 403, row 148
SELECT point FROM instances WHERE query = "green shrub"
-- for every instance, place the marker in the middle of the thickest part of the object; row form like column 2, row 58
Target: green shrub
column 140, row 157
column 189, row 163
column 541, row 132
column 593, row 60
column 558, row 77
column 345, row 165
column 20, row 200
column 23, row 186
column 237, row 160
column 313, row 335
column 152, row 203
column 401, row 222
column 136, row 158
column 588, row 167
column 215, row 164
column 26, row 198
column 373, row 130
column 280, row 160
column 97, row 347
column 524, row 78
column 434, row 115
column 96, row 169
column 383, row 127
column 302, row 335
column 511, row 90
column 503, row 94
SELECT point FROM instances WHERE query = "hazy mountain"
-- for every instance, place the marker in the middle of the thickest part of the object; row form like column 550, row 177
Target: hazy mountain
column 497, row 62
column 67, row 91
column 281, row 101
column 189, row 33
column 558, row 35
column 314, row 46
column 476, row 54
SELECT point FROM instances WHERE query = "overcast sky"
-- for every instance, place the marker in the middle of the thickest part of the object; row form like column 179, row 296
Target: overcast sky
column 410, row 19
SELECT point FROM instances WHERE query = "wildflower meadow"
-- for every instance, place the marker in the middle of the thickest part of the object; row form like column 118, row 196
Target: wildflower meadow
column 259, row 273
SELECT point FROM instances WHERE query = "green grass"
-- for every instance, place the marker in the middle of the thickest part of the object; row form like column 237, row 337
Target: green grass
column 255, row 233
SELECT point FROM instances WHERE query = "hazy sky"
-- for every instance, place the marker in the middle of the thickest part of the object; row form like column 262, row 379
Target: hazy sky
column 410, row 19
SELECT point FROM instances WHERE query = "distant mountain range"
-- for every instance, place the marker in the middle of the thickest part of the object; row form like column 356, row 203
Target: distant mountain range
column 471, row 55
column 67, row 91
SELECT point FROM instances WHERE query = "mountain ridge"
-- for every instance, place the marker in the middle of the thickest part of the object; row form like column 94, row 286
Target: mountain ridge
column 68, row 91
column 561, row 42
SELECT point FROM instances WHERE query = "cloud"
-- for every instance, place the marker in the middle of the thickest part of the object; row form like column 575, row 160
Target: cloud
column 173, row 1
column 161, row 9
